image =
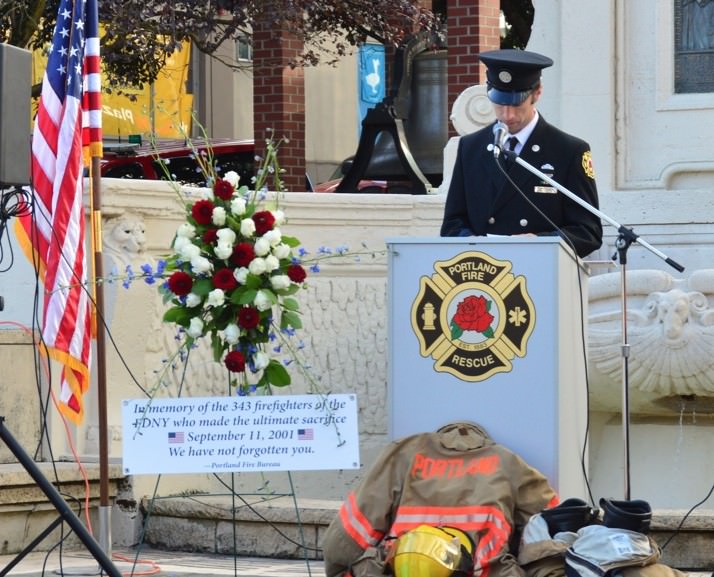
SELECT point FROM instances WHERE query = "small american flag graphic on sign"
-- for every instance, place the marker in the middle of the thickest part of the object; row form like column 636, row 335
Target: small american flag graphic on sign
column 305, row 435
column 176, row 437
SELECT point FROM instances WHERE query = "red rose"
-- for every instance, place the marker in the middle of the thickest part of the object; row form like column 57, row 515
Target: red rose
column 224, row 279
column 210, row 236
column 223, row 189
column 202, row 211
column 235, row 362
column 180, row 283
column 472, row 314
column 296, row 273
column 264, row 221
column 248, row 318
column 243, row 253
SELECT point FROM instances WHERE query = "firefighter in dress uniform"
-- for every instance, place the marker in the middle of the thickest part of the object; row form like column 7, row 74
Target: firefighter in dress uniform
column 481, row 200
column 446, row 503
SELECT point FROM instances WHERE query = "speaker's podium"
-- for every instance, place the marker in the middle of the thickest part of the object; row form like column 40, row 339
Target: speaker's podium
column 490, row 330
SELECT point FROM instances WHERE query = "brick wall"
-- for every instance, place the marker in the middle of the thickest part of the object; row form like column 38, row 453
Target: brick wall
column 279, row 100
column 473, row 27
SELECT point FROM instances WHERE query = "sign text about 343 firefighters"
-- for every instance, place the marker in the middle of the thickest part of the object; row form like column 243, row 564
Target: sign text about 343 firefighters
column 223, row 434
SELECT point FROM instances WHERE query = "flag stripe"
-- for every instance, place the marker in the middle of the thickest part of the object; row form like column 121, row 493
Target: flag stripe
column 68, row 118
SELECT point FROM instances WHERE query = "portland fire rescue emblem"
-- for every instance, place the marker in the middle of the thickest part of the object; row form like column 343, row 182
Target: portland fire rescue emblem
column 473, row 316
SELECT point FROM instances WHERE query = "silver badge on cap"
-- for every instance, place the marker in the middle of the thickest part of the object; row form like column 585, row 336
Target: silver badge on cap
column 505, row 76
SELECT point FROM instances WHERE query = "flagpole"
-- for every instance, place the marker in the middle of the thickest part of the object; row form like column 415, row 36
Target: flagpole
column 105, row 540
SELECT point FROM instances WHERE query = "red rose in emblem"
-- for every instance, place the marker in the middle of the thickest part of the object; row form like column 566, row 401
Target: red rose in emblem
column 472, row 314
column 235, row 362
column 202, row 211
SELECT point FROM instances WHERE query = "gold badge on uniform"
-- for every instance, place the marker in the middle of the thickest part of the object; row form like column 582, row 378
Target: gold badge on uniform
column 588, row 164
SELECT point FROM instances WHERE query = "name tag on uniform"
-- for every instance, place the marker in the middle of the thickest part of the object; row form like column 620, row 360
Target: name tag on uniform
column 545, row 189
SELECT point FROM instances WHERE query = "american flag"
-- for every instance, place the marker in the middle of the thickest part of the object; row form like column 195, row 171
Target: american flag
column 305, row 434
column 177, row 437
column 53, row 236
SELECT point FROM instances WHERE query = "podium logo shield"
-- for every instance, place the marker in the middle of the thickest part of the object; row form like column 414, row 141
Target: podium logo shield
column 473, row 316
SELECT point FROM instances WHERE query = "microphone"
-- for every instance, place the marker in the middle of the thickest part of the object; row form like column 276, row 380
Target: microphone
column 500, row 132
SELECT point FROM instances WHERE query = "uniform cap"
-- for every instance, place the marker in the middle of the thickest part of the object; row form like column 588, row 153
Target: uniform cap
column 511, row 74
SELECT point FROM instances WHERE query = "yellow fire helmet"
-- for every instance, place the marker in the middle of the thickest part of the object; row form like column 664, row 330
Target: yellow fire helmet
column 432, row 552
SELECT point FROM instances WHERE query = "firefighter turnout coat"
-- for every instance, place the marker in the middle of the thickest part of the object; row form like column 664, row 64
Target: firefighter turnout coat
column 457, row 477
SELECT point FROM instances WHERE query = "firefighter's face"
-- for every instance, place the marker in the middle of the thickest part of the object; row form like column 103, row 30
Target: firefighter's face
column 517, row 117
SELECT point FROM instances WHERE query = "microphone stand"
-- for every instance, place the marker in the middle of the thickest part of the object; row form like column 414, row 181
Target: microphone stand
column 625, row 238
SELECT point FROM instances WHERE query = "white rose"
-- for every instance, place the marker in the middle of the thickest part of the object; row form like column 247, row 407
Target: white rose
column 186, row 230
column 241, row 274
column 257, row 266
column 279, row 217
column 189, row 251
column 273, row 236
column 231, row 334
column 233, row 177
column 262, row 246
column 280, row 281
column 260, row 360
column 192, row 300
column 247, row 227
column 271, row 263
column 262, row 301
column 200, row 265
column 180, row 242
column 282, row 250
column 223, row 250
column 195, row 329
column 238, row 206
column 226, row 235
column 219, row 216
column 216, row 298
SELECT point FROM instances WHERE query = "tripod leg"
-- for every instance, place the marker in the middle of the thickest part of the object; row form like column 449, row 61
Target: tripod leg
column 59, row 503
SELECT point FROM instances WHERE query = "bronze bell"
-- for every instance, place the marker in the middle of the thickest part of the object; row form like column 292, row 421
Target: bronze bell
column 426, row 124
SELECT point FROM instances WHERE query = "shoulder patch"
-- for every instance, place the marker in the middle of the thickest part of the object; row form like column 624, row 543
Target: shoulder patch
column 587, row 162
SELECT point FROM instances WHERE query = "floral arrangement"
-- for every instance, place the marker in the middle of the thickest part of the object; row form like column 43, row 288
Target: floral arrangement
column 233, row 275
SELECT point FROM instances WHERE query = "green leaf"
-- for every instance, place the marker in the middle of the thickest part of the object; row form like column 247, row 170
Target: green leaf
column 291, row 241
column 488, row 333
column 216, row 346
column 456, row 330
column 277, row 374
column 253, row 281
column 290, row 319
column 245, row 297
column 179, row 315
column 202, row 287
column 292, row 289
column 291, row 304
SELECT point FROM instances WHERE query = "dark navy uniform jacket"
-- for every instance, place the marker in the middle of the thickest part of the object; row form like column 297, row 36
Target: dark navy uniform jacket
column 481, row 201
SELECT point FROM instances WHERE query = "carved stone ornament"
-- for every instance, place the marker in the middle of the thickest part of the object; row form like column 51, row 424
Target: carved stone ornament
column 670, row 330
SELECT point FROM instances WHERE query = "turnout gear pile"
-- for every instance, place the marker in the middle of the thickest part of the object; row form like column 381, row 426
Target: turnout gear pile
column 456, row 477
column 570, row 541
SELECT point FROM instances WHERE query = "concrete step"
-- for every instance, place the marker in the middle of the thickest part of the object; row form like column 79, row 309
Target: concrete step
column 287, row 528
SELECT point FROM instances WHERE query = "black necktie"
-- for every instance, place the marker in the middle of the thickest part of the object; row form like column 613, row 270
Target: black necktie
column 512, row 143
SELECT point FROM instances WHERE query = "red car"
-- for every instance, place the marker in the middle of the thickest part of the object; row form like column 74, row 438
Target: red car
column 155, row 161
